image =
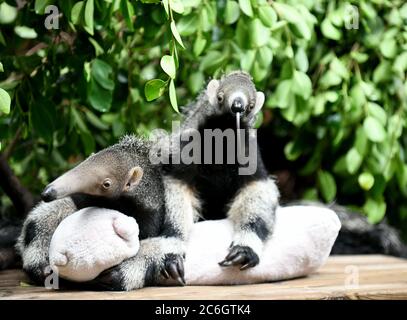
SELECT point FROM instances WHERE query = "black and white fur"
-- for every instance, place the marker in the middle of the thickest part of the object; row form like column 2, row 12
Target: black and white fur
column 161, row 251
column 217, row 190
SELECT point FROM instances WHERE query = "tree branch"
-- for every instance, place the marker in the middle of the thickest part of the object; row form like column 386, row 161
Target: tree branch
column 21, row 198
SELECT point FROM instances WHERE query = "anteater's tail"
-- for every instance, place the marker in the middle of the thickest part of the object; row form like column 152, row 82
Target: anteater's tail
column 9, row 232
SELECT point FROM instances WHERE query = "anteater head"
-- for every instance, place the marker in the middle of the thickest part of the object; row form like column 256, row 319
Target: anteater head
column 234, row 93
column 110, row 173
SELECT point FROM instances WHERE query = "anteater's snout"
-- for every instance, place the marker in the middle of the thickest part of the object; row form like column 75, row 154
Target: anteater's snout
column 238, row 106
column 49, row 194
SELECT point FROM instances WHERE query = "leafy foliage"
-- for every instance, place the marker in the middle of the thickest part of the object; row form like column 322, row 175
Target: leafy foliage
column 334, row 73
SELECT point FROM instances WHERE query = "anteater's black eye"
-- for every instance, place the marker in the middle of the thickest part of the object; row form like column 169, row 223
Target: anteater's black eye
column 220, row 97
column 107, row 183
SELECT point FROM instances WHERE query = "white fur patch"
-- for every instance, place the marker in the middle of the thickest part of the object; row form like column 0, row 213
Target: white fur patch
column 182, row 204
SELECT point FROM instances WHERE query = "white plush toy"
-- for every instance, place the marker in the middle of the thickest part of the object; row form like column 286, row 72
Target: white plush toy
column 92, row 240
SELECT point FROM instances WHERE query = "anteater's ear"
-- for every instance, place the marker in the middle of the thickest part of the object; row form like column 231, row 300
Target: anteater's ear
column 133, row 178
column 212, row 90
column 259, row 102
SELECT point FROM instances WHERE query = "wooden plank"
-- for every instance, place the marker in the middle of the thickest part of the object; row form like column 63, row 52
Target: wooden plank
column 379, row 277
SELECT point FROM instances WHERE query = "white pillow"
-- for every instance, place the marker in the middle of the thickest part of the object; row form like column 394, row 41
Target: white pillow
column 300, row 244
column 94, row 239
column 90, row 241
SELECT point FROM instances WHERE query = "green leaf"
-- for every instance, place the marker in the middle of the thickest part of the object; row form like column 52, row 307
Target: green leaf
column 7, row 13
column 41, row 120
column 88, row 142
column 302, row 29
column 95, row 121
column 259, row 34
column 98, row 49
column 232, row 12
column 195, row 82
column 287, row 12
column 377, row 112
column 103, row 74
column 168, row 65
column 353, row 160
column 361, row 141
column 301, row 60
column 40, row 5
column 166, row 6
column 388, row 48
column 382, row 72
column 400, row 64
column 173, row 96
column 330, row 31
column 366, row 180
column 247, row 59
column 25, row 32
column 212, row 60
column 154, row 89
column 99, row 97
column 89, row 8
column 5, row 101
column 265, row 56
column 187, row 25
column 327, row 185
column 204, row 20
column 375, row 210
column 291, row 151
column 199, row 46
column 374, row 129
column 339, row 68
column 330, row 79
column 76, row 12
column 259, row 72
column 246, row 7
column 176, row 34
column 301, row 84
column 295, row 18
column 1, row 67
column 282, row 93
column 128, row 12
column 267, row 15
column 177, row 6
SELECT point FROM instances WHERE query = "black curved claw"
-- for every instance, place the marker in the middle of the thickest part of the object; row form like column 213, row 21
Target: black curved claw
column 174, row 268
column 242, row 256
column 110, row 279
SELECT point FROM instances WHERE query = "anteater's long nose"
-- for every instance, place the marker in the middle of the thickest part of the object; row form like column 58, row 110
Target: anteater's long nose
column 238, row 106
column 49, row 194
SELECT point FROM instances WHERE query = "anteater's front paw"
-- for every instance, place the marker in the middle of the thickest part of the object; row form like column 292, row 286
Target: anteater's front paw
column 111, row 279
column 38, row 272
column 242, row 256
column 173, row 267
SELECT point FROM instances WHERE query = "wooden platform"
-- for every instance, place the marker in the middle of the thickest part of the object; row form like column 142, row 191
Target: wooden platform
column 343, row 277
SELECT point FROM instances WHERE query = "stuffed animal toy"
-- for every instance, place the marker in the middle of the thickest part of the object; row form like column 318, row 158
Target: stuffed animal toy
column 93, row 239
